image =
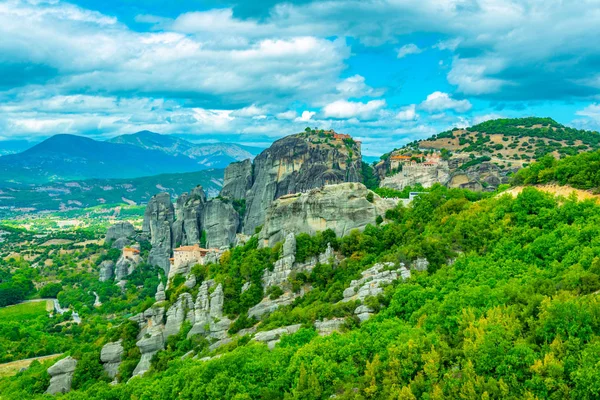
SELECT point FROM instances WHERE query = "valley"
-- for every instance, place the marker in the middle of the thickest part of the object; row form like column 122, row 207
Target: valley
column 264, row 288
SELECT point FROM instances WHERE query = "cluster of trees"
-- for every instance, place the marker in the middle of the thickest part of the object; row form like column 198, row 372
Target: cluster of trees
column 581, row 171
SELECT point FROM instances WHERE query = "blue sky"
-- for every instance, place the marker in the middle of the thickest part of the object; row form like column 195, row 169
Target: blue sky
column 385, row 71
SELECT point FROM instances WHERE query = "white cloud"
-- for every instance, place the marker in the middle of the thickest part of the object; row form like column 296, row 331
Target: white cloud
column 289, row 115
column 250, row 111
column 355, row 86
column 440, row 101
column 306, row 116
column 343, row 109
column 408, row 49
column 486, row 117
column 407, row 113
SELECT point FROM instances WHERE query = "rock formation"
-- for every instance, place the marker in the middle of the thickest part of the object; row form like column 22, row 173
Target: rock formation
column 106, row 270
column 296, row 164
column 158, row 218
column 426, row 175
column 341, row 207
column 61, row 375
column 238, row 179
column 120, row 230
column 272, row 337
column 192, row 220
column 370, row 284
column 111, row 358
column 128, row 262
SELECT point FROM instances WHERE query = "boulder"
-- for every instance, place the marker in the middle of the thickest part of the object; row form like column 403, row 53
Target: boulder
column 272, row 337
column 61, row 376
column 111, row 357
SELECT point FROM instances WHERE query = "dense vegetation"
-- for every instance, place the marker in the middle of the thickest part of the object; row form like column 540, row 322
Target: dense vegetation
column 506, row 310
column 581, row 171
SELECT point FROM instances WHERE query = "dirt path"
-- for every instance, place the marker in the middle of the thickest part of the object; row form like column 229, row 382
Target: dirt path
column 556, row 190
column 11, row 368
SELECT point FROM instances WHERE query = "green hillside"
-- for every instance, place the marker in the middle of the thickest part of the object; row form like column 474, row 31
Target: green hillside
column 508, row 309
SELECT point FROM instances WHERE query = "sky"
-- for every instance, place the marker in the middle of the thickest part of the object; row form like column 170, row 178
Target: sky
column 385, row 71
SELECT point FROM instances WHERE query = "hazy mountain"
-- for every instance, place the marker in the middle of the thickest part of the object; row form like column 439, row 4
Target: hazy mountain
column 70, row 157
column 14, row 146
column 217, row 155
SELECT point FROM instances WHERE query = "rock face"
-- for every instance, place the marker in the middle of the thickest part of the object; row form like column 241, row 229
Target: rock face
column 220, row 222
column 238, row 179
column 158, row 218
column 111, row 357
column 423, row 174
column 120, row 230
column 341, row 207
column 296, row 164
column 187, row 227
column 452, row 173
column 106, row 270
column 61, row 376
column 193, row 219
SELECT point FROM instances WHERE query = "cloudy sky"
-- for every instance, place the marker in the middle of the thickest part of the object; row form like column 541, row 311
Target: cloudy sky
column 385, row 71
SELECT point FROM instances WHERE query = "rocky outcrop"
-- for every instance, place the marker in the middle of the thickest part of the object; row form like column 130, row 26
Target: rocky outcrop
column 127, row 263
column 61, row 376
column 106, row 270
column 220, row 222
column 341, row 207
column 371, row 284
column 272, row 337
column 296, row 164
column 158, row 218
column 426, row 175
column 149, row 346
column 120, row 243
column 485, row 176
column 187, row 227
column 160, row 292
column 182, row 310
column 192, row 220
column 111, row 358
column 238, row 179
column 120, row 230
column 328, row 326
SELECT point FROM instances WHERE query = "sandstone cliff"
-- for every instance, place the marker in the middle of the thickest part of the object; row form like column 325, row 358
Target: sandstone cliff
column 192, row 220
column 293, row 164
column 341, row 207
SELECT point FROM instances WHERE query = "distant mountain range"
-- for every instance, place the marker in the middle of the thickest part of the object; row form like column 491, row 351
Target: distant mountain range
column 217, row 155
column 71, row 157
column 69, row 195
